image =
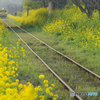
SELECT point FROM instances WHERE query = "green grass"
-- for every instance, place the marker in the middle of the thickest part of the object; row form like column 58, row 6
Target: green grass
column 75, row 54
column 87, row 59
column 73, row 34
column 27, row 74
column 30, row 72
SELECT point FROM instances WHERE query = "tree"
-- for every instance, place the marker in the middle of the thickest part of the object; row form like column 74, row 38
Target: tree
column 29, row 4
column 44, row 3
column 51, row 6
column 90, row 6
column 58, row 4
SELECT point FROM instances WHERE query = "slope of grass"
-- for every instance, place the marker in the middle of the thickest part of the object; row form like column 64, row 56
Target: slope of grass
column 79, row 36
column 74, row 29
column 79, row 32
column 19, row 78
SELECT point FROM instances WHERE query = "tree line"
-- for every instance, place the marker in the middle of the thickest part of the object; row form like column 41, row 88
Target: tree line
column 89, row 5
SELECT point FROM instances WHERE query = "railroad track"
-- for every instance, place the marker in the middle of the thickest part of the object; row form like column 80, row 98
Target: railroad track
column 75, row 70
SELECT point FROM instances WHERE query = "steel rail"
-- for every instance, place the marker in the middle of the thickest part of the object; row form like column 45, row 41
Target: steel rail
column 84, row 68
column 66, row 85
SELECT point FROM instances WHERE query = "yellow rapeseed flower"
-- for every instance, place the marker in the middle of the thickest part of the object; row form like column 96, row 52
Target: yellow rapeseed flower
column 45, row 81
column 42, row 97
column 17, row 80
column 36, row 88
column 54, row 98
column 50, row 88
column 39, row 88
column 16, row 74
column 10, row 44
column 41, row 76
column 53, row 85
column 51, row 94
column 56, row 95
column 18, row 39
column 20, row 86
column 7, row 85
column 12, row 72
column 28, row 83
column 29, row 93
column 47, row 90
column 46, row 85
column 16, row 69
column 14, row 47
column 11, row 62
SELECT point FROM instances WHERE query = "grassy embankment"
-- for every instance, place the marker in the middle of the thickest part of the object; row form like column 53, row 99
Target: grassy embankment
column 79, row 37
column 17, row 71
column 76, row 31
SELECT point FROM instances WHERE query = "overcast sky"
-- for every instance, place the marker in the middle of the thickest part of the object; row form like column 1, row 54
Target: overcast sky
column 3, row 3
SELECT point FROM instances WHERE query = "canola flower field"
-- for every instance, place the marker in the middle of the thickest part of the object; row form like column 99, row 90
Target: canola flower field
column 10, row 88
column 36, row 17
column 71, row 26
column 75, row 28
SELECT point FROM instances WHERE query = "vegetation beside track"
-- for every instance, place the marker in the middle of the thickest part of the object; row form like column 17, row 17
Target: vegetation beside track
column 79, row 36
column 67, row 71
column 37, row 18
column 76, row 30
column 17, row 72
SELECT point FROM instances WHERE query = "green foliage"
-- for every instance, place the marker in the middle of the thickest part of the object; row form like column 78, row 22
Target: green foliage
column 19, row 13
column 30, row 4
column 76, row 27
column 17, row 72
column 80, row 34
column 36, row 18
column 68, row 6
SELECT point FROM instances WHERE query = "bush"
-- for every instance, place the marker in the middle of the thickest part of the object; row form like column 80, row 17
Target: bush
column 36, row 17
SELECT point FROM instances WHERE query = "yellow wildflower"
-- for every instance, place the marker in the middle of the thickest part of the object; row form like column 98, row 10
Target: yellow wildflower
column 50, row 88
column 46, row 85
column 41, row 76
column 47, row 90
column 45, row 81
column 13, row 72
column 42, row 97
column 54, row 99
column 20, row 86
column 56, row 95
column 51, row 94
column 53, row 85
column 17, row 80
column 18, row 39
